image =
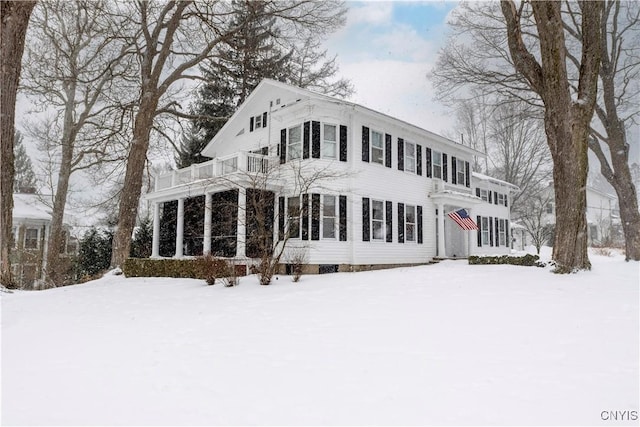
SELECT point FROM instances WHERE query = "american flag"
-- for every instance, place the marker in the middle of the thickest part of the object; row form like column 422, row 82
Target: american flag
column 461, row 217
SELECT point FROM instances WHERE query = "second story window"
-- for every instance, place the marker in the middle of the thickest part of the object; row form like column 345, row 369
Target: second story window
column 294, row 149
column 437, row 164
column 31, row 238
column 484, row 195
column 329, row 142
column 410, row 156
column 460, row 172
column 501, row 199
column 549, row 208
column 377, row 147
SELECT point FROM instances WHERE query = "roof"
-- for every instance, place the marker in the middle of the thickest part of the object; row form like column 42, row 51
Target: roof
column 311, row 94
column 29, row 206
column 496, row 181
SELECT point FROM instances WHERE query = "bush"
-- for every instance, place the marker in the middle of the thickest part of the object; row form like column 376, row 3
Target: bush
column 526, row 260
column 94, row 252
column 205, row 268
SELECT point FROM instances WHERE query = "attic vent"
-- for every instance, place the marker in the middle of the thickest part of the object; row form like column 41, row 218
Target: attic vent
column 278, row 101
column 241, row 132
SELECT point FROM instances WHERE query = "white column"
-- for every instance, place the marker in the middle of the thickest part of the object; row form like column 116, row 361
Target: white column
column 206, row 248
column 155, row 246
column 441, row 244
column 179, row 229
column 241, row 249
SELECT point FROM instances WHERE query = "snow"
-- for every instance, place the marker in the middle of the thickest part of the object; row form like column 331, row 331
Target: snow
column 442, row 344
column 29, row 206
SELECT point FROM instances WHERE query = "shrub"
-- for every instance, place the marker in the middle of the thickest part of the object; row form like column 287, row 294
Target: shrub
column 94, row 252
column 205, row 268
column 526, row 260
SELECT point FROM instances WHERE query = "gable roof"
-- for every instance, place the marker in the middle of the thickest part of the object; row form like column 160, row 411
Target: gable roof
column 29, row 206
column 308, row 94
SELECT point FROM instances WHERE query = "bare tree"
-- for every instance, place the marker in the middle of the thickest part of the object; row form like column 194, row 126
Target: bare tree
column 567, row 121
column 534, row 219
column 74, row 63
column 617, row 106
column 168, row 47
column 15, row 19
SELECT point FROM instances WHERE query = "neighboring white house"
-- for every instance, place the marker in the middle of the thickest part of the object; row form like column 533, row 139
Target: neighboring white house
column 31, row 227
column 603, row 218
column 388, row 187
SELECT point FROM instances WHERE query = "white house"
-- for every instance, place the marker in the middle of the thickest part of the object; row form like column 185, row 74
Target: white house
column 381, row 195
column 31, row 228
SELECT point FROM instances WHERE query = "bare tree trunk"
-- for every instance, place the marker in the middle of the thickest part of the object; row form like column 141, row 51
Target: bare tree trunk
column 132, row 187
column 567, row 122
column 15, row 19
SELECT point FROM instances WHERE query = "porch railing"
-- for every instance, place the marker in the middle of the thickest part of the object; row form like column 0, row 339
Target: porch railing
column 240, row 162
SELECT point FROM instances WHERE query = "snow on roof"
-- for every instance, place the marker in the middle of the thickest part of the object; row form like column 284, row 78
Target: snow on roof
column 29, row 206
column 495, row 181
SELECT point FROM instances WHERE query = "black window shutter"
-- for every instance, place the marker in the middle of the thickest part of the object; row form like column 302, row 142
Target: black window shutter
column 444, row 167
column 479, row 222
column 387, row 150
column 490, row 196
column 419, row 159
column 283, row 146
column 420, row 238
column 315, row 140
column 454, row 170
column 281, row 216
column 467, row 176
column 400, row 154
column 315, row 217
column 251, row 124
column 478, row 192
column 305, row 140
column 506, row 205
column 495, row 197
column 506, row 233
column 365, row 144
column 389, row 218
column 343, row 143
column 490, row 231
column 429, row 162
column 304, row 209
column 342, row 214
column 366, row 222
column 497, row 232
column 400, row 222
column 264, row 119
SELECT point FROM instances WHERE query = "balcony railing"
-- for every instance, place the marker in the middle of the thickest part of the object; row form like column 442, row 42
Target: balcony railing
column 240, row 162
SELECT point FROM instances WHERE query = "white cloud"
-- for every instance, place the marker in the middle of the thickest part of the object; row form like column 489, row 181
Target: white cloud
column 374, row 13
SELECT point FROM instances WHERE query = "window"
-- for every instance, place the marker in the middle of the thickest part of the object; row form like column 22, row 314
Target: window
column 258, row 121
column 549, row 208
column 377, row 147
column 460, row 172
column 14, row 237
column 410, row 223
column 501, row 199
column 293, row 216
column 484, row 195
column 329, row 142
column 377, row 220
column 294, row 149
column 328, row 217
column 437, row 164
column 410, row 156
column 502, row 233
column 485, row 231
column 31, row 238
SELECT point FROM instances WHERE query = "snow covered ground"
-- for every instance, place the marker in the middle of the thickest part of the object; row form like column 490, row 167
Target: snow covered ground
column 443, row 344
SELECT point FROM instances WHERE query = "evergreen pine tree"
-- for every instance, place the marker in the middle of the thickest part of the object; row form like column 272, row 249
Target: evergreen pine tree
column 143, row 239
column 94, row 253
column 24, row 180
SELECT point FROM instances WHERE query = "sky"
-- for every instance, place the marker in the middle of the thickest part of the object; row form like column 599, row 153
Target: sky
column 386, row 49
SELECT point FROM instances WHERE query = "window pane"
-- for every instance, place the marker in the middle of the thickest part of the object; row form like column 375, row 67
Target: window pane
column 377, row 155
column 376, row 140
column 329, row 228
column 378, row 210
column 409, row 164
column 294, row 135
column 409, row 149
column 329, row 207
column 329, row 150
column 293, row 211
column 411, row 214
column 31, row 238
column 329, row 133
column 410, row 235
column 378, row 230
